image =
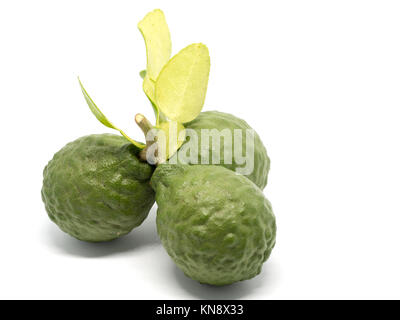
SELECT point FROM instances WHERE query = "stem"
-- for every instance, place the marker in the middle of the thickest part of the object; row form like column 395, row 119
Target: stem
column 145, row 125
column 142, row 154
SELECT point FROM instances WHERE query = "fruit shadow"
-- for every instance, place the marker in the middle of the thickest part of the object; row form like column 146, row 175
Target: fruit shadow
column 144, row 235
column 239, row 290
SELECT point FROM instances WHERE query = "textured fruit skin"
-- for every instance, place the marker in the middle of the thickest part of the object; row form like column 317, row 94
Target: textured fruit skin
column 220, row 121
column 215, row 224
column 96, row 189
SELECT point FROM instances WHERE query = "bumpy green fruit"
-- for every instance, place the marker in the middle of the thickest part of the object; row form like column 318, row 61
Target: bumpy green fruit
column 215, row 224
column 222, row 121
column 96, row 189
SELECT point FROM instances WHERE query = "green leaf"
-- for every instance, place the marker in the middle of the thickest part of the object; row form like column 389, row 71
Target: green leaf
column 142, row 73
column 155, row 32
column 157, row 38
column 181, row 86
column 173, row 132
column 148, row 88
column 102, row 118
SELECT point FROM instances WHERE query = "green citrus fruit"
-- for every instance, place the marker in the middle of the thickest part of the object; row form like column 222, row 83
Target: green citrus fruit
column 220, row 121
column 96, row 189
column 216, row 225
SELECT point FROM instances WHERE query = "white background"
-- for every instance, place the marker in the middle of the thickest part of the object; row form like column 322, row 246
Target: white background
column 318, row 80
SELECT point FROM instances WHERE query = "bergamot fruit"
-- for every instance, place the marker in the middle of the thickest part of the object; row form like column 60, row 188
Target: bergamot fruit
column 216, row 225
column 218, row 127
column 96, row 189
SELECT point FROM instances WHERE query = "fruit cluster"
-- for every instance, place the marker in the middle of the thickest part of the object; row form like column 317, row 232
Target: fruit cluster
column 213, row 218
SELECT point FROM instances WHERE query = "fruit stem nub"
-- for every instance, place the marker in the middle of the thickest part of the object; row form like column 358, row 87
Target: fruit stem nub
column 146, row 126
column 143, row 123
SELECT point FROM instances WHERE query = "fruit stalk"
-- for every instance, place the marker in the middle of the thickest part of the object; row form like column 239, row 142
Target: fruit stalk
column 145, row 125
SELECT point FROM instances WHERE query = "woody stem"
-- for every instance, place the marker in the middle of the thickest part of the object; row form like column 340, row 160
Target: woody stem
column 145, row 125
